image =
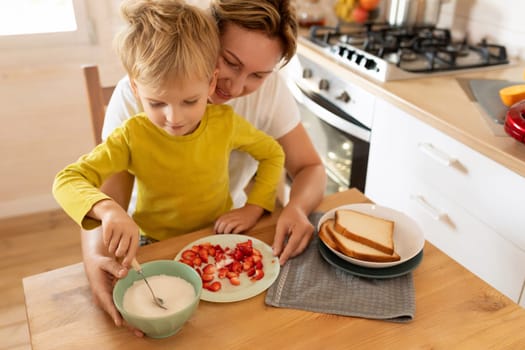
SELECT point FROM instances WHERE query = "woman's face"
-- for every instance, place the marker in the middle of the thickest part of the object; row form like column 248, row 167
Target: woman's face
column 246, row 59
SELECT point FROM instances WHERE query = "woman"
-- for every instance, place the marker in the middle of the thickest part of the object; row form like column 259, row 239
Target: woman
column 256, row 36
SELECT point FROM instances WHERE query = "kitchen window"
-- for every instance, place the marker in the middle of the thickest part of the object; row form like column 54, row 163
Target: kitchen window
column 43, row 23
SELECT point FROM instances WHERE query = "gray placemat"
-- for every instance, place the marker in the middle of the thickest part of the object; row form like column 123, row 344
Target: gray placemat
column 308, row 282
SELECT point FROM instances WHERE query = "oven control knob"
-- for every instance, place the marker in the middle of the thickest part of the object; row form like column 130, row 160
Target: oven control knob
column 370, row 64
column 324, row 84
column 344, row 96
column 307, row 73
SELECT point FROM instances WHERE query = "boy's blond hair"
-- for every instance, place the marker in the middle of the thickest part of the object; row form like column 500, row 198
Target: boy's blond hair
column 166, row 39
column 275, row 18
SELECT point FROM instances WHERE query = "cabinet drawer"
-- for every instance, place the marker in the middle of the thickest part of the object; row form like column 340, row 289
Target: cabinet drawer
column 487, row 190
column 466, row 239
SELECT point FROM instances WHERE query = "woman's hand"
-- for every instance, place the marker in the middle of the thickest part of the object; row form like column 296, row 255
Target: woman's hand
column 238, row 220
column 292, row 233
column 102, row 272
column 304, row 166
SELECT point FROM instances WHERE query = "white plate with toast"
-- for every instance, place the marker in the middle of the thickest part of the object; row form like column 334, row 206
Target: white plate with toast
column 370, row 235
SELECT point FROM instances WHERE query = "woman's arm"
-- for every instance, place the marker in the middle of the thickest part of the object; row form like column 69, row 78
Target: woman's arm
column 307, row 172
column 101, row 269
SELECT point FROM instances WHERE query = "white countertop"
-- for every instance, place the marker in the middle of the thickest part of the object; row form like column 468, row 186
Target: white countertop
column 441, row 102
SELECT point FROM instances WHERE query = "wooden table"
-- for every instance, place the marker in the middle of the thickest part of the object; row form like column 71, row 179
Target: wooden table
column 454, row 309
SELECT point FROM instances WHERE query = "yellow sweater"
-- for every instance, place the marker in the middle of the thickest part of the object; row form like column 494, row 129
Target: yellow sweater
column 182, row 180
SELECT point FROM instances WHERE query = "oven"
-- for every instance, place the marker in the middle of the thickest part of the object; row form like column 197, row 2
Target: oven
column 337, row 118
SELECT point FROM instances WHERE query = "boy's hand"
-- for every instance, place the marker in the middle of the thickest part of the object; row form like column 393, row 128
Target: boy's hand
column 238, row 220
column 120, row 233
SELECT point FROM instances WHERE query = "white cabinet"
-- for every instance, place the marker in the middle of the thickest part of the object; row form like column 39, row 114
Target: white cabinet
column 466, row 204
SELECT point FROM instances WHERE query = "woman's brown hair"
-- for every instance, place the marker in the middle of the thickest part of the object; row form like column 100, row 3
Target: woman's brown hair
column 275, row 18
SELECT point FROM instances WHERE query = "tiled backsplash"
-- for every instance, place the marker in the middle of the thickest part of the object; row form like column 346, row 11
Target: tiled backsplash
column 500, row 21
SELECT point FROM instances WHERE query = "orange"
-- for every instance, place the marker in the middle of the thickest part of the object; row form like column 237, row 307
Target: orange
column 369, row 5
column 359, row 14
column 512, row 94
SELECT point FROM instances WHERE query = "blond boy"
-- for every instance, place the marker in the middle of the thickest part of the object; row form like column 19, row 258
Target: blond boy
column 178, row 149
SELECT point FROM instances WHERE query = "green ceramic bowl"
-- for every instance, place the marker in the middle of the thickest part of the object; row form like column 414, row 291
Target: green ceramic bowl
column 165, row 326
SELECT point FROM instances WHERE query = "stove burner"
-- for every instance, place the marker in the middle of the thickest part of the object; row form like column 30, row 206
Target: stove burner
column 422, row 49
column 460, row 50
column 407, row 55
column 352, row 39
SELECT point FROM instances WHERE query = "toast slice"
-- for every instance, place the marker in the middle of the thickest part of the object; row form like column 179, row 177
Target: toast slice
column 372, row 231
column 352, row 248
column 326, row 236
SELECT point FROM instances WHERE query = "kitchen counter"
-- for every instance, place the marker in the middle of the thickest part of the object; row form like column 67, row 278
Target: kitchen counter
column 441, row 102
column 454, row 309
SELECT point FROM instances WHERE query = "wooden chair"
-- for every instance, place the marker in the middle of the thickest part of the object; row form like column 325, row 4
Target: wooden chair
column 98, row 97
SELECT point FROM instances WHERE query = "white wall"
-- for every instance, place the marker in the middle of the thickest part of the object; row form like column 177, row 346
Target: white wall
column 500, row 21
column 44, row 112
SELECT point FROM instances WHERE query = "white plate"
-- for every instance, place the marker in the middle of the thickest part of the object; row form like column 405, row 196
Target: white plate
column 247, row 288
column 408, row 237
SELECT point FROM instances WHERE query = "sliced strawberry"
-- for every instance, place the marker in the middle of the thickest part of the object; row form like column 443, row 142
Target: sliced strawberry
column 203, row 253
column 258, row 275
column 237, row 254
column 207, row 277
column 214, row 286
column 246, row 247
column 223, row 271
column 195, row 248
column 235, row 267
column 251, row 272
column 209, row 269
column 259, row 265
column 188, row 255
column 211, row 250
column 218, row 256
column 231, row 274
column 256, row 258
column 186, row 261
column 247, row 264
column 197, row 261
column 235, row 281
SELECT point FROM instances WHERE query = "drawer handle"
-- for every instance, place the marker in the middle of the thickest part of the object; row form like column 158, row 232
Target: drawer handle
column 433, row 212
column 436, row 154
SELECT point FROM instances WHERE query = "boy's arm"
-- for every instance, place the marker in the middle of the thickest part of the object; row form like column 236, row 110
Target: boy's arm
column 270, row 156
column 262, row 195
column 76, row 190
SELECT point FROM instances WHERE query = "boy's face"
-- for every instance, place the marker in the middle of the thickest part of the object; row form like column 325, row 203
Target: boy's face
column 177, row 106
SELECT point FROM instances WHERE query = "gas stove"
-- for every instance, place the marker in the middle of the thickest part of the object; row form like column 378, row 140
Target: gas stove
column 385, row 52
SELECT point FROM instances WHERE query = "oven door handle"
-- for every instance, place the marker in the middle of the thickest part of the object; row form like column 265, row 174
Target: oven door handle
column 330, row 113
column 331, row 107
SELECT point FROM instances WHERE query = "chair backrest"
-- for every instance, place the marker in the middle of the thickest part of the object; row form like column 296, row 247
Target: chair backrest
column 98, row 97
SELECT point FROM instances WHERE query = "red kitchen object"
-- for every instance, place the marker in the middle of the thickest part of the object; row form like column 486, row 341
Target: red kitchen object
column 515, row 121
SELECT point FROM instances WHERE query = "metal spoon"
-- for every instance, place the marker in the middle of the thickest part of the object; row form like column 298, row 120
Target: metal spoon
column 158, row 301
